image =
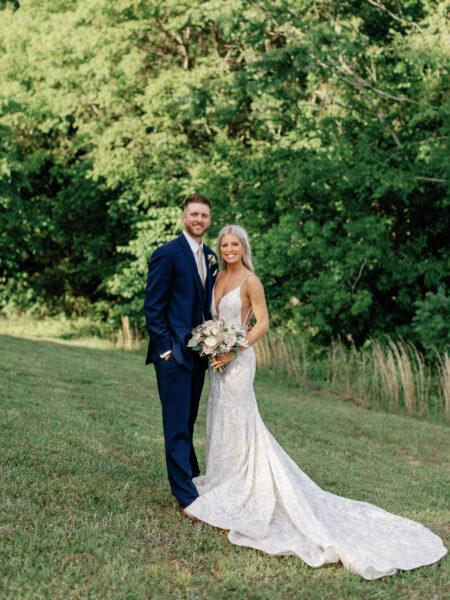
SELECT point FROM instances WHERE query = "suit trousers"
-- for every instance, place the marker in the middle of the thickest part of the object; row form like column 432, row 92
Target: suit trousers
column 179, row 391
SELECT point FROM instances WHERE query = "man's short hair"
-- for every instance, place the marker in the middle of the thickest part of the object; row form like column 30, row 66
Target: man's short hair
column 196, row 198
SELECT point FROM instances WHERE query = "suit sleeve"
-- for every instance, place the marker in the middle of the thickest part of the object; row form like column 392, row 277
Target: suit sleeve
column 157, row 296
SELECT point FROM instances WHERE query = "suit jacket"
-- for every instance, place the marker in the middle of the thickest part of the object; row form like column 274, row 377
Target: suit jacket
column 176, row 300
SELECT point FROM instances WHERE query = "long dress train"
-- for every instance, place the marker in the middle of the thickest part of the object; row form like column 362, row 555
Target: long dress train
column 254, row 489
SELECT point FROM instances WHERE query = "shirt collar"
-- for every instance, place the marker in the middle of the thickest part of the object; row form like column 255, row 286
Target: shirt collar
column 192, row 243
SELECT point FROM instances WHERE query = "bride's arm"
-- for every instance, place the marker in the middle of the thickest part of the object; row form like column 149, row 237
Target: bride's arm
column 255, row 292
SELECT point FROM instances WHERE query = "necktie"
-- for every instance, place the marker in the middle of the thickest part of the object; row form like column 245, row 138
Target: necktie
column 201, row 264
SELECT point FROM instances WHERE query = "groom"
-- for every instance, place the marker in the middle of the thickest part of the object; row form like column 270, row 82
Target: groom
column 180, row 279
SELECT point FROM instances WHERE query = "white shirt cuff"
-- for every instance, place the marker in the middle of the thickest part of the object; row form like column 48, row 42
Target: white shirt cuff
column 165, row 354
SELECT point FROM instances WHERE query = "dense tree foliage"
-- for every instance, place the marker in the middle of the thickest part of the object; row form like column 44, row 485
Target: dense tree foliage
column 320, row 126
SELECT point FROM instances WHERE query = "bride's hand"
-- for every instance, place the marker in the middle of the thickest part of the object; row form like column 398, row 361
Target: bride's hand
column 222, row 359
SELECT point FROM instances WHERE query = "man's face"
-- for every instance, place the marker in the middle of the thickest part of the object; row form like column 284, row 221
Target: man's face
column 196, row 219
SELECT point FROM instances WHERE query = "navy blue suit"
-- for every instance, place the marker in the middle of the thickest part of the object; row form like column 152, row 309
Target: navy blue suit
column 175, row 302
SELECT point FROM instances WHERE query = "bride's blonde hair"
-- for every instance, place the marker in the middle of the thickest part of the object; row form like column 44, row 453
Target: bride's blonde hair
column 240, row 233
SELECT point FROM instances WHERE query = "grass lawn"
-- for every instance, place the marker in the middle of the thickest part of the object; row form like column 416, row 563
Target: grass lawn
column 85, row 509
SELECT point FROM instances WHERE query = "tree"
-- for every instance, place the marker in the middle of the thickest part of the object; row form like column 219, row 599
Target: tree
column 321, row 127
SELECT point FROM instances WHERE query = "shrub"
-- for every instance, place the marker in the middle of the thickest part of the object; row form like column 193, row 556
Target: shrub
column 431, row 321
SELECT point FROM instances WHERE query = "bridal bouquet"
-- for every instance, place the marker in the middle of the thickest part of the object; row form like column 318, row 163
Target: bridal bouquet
column 212, row 338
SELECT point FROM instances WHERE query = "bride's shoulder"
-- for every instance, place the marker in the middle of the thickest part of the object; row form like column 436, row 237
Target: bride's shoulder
column 253, row 282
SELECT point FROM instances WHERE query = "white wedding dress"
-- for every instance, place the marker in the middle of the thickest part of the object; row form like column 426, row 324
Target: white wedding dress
column 254, row 489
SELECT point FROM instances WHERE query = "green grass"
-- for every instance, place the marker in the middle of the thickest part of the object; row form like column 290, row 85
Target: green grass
column 85, row 510
column 89, row 332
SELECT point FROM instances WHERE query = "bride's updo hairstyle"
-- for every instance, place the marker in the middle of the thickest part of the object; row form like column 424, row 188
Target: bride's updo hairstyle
column 240, row 233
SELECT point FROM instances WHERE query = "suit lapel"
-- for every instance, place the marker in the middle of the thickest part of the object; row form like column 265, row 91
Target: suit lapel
column 193, row 265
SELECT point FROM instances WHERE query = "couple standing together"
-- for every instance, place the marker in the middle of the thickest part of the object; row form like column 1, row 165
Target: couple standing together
column 251, row 487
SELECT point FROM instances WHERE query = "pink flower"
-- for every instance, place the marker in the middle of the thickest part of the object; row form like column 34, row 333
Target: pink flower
column 207, row 350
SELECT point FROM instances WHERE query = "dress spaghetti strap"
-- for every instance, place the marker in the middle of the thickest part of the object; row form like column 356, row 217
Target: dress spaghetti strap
column 244, row 279
column 244, row 324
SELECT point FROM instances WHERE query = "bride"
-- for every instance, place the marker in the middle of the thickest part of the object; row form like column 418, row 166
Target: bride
column 251, row 486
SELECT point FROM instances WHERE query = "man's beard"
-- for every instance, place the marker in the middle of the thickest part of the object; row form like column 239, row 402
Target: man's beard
column 191, row 231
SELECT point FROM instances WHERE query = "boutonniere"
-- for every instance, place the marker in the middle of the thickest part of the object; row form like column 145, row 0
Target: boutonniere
column 212, row 262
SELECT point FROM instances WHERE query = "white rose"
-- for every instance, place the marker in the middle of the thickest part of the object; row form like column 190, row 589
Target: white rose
column 210, row 341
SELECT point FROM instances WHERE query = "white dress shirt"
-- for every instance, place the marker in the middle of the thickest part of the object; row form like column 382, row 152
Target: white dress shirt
column 195, row 248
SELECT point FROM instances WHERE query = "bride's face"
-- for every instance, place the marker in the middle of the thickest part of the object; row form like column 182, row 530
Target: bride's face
column 231, row 249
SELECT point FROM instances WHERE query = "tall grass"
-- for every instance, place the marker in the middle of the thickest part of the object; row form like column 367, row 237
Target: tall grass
column 444, row 382
column 392, row 376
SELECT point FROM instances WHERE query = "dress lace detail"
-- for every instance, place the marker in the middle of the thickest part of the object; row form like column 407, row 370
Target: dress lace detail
column 254, row 489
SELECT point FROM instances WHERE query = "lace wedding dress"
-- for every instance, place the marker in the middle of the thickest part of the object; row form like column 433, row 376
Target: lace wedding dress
column 254, row 489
